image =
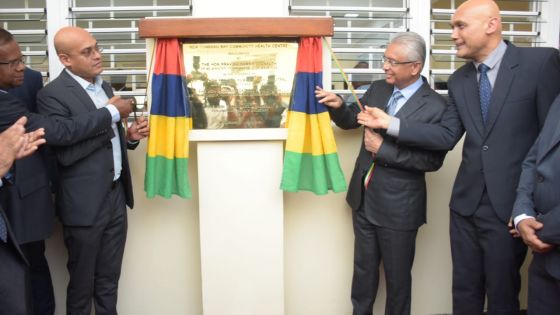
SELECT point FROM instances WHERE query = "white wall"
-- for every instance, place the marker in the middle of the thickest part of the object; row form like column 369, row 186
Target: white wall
column 161, row 269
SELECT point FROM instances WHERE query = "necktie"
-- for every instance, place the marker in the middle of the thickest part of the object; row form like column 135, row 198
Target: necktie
column 391, row 109
column 393, row 102
column 3, row 230
column 484, row 90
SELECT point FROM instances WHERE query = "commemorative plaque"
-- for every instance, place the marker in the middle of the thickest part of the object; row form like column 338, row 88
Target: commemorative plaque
column 239, row 84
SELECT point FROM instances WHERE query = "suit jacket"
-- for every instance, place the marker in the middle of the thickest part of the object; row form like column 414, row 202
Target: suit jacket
column 28, row 201
column 396, row 195
column 526, row 85
column 86, row 168
column 11, row 239
column 538, row 193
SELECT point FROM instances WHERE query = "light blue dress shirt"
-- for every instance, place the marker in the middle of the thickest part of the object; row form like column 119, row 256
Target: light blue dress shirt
column 99, row 98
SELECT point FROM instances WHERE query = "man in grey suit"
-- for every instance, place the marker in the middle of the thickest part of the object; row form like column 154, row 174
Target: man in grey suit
column 15, row 294
column 387, row 191
column 500, row 100
column 536, row 214
column 94, row 184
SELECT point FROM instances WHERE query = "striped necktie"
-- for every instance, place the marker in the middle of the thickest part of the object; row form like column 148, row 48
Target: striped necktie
column 391, row 109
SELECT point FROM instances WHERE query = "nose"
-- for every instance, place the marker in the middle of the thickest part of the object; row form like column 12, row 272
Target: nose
column 386, row 66
column 454, row 34
column 20, row 65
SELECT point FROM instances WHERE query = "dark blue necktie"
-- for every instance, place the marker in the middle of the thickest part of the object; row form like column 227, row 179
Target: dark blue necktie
column 484, row 90
column 3, row 230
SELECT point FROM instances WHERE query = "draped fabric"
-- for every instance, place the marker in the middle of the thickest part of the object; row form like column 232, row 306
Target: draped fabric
column 311, row 159
column 170, row 123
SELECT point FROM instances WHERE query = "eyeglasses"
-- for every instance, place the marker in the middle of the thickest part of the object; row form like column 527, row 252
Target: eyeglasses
column 13, row 63
column 90, row 50
column 392, row 62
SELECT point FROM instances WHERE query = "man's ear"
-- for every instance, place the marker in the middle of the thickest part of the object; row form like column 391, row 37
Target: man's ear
column 64, row 59
column 493, row 25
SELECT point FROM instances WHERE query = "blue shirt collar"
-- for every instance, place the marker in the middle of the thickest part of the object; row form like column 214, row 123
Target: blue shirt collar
column 408, row 91
column 495, row 56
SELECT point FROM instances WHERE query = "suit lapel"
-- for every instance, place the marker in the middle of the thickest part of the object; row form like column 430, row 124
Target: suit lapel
column 78, row 91
column 414, row 103
column 501, row 88
column 472, row 100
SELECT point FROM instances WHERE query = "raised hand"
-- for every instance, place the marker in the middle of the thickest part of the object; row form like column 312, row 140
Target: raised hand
column 124, row 106
column 327, row 98
column 139, row 129
column 374, row 118
column 31, row 143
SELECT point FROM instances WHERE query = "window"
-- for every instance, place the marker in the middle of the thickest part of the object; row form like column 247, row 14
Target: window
column 26, row 20
column 521, row 22
column 362, row 30
column 114, row 23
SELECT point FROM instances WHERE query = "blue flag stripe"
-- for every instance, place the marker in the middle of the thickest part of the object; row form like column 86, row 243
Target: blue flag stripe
column 304, row 95
column 169, row 96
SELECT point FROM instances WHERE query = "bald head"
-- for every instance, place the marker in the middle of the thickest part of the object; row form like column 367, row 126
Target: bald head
column 481, row 9
column 477, row 29
column 68, row 37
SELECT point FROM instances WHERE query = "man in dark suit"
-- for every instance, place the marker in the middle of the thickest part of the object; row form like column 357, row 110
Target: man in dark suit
column 94, row 176
column 32, row 206
column 28, row 201
column 500, row 100
column 387, row 191
column 15, row 294
column 536, row 213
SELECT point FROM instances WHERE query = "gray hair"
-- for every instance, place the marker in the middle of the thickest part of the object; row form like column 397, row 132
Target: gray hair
column 415, row 44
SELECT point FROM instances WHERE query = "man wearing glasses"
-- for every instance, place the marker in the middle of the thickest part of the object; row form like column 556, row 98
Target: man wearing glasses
column 499, row 100
column 26, row 197
column 94, row 182
column 387, row 191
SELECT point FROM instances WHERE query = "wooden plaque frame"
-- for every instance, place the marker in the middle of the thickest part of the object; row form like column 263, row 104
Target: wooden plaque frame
column 193, row 27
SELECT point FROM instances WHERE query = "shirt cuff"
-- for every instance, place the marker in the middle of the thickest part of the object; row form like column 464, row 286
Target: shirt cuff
column 520, row 218
column 394, row 127
column 133, row 141
column 115, row 115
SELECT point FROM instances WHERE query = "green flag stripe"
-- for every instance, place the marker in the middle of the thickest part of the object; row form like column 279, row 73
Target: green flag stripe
column 315, row 173
column 165, row 177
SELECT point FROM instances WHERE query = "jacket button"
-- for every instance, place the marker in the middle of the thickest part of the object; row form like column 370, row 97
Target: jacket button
column 484, row 148
column 112, row 170
column 540, row 178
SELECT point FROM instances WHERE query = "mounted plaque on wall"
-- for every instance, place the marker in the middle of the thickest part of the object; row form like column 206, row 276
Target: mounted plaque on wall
column 240, row 84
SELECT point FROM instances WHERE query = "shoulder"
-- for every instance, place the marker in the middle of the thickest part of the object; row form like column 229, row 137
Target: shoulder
column 542, row 52
column 380, row 85
column 53, row 85
column 461, row 72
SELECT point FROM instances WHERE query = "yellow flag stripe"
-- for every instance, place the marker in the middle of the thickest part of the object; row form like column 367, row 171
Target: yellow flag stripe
column 310, row 133
column 168, row 136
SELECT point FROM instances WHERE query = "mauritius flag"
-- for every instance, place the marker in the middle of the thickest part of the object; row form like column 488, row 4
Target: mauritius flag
column 311, row 159
column 170, row 122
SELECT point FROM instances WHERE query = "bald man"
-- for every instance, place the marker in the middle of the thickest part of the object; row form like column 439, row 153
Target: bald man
column 499, row 99
column 94, row 183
